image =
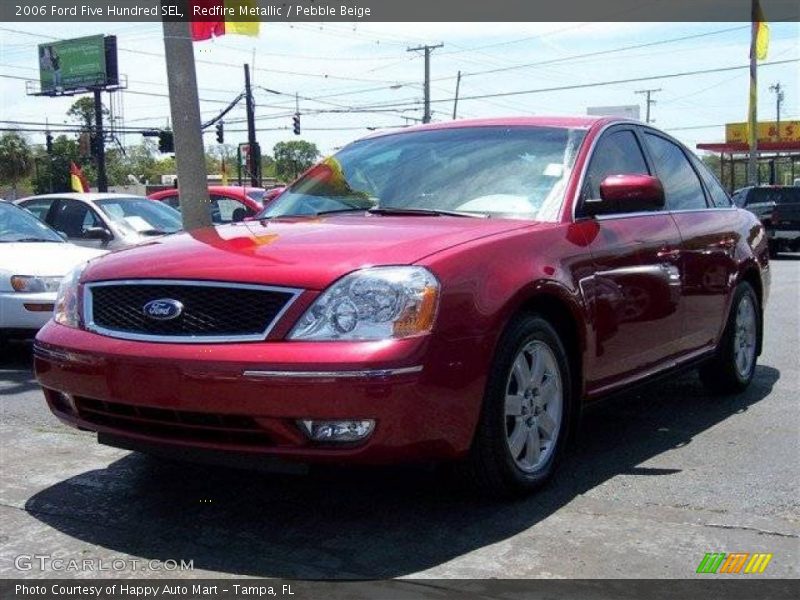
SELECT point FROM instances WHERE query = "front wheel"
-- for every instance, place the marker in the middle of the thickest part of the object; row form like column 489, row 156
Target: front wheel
column 734, row 365
column 526, row 413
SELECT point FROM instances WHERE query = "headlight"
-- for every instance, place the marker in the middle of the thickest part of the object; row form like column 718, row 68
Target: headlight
column 33, row 285
column 372, row 304
column 66, row 307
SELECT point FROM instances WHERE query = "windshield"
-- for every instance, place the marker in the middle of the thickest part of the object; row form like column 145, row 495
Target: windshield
column 18, row 225
column 496, row 171
column 142, row 215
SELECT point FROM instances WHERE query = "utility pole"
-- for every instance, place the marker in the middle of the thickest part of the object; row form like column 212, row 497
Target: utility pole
column 778, row 89
column 186, row 125
column 455, row 102
column 426, row 117
column 100, row 142
column 255, row 152
column 649, row 102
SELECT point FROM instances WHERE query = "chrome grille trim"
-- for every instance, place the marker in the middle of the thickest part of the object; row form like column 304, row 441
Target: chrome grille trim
column 90, row 325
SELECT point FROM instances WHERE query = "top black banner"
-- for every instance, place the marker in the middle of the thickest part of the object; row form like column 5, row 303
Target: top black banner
column 396, row 10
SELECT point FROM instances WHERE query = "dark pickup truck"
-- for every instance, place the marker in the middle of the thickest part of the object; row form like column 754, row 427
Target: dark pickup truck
column 778, row 208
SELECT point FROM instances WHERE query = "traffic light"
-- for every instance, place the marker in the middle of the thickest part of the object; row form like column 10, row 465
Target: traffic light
column 220, row 132
column 165, row 142
column 49, row 143
column 296, row 121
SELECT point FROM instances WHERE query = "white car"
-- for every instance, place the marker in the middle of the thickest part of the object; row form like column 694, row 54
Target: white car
column 33, row 259
column 104, row 220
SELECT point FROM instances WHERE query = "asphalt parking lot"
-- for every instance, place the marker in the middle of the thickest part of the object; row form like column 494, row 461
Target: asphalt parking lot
column 657, row 479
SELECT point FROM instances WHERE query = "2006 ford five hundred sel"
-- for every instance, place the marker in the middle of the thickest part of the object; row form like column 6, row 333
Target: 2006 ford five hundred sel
column 453, row 292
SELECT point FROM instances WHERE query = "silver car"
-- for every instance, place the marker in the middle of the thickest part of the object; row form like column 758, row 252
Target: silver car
column 107, row 221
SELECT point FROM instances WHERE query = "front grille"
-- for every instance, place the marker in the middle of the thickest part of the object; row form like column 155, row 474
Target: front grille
column 223, row 312
column 173, row 424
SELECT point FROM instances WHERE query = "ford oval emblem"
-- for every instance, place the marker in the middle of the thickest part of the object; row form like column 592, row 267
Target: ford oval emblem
column 164, row 309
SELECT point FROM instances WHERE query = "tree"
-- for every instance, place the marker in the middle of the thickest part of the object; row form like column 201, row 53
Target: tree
column 16, row 159
column 52, row 170
column 82, row 112
column 292, row 158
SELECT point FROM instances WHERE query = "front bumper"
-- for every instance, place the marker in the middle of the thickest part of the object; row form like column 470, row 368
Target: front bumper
column 248, row 397
column 21, row 311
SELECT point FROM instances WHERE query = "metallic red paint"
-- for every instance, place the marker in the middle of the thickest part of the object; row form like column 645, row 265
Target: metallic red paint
column 632, row 295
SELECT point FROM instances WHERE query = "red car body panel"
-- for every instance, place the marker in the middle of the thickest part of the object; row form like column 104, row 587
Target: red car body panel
column 634, row 296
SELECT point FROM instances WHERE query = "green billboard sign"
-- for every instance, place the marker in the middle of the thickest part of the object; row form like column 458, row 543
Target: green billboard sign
column 72, row 64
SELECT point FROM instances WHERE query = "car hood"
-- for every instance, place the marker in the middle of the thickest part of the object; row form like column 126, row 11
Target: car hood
column 304, row 252
column 43, row 258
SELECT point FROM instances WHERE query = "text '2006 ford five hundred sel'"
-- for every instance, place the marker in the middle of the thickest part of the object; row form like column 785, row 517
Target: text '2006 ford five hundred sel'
column 448, row 293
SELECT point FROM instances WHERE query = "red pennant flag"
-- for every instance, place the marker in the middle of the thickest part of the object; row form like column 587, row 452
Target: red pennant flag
column 218, row 17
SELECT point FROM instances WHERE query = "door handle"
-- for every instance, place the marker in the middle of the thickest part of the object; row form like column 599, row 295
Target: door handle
column 668, row 253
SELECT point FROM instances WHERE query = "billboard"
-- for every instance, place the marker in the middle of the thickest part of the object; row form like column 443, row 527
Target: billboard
column 767, row 132
column 77, row 64
column 628, row 111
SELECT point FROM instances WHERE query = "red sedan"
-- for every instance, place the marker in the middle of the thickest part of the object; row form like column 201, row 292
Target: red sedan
column 452, row 292
column 229, row 203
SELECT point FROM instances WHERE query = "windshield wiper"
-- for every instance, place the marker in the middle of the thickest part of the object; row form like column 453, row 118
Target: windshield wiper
column 31, row 239
column 152, row 232
column 432, row 212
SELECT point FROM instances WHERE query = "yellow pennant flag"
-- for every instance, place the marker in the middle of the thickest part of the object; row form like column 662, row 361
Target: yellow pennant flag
column 761, row 38
column 241, row 7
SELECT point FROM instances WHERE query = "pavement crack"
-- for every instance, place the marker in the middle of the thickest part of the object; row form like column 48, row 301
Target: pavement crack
column 755, row 529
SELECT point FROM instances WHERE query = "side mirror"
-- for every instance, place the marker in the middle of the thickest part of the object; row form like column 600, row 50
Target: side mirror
column 97, row 233
column 627, row 193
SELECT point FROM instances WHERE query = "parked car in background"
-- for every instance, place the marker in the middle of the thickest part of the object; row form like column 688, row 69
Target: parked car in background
column 103, row 220
column 778, row 208
column 449, row 292
column 33, row 261
column 229, row 203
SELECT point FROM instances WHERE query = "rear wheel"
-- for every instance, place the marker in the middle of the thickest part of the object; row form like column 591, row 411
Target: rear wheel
column 527, row 411
column 734, row 365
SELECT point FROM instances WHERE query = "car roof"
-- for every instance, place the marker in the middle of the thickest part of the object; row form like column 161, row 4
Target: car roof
column 571, row 122
column 86, row 197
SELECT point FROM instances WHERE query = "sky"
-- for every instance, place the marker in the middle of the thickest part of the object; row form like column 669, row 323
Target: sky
column 339, row 67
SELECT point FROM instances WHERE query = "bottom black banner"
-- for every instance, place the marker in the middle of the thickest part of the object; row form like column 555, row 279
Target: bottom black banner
column 397, row 589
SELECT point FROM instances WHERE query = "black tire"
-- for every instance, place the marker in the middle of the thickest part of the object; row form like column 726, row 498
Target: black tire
column 720, row 375
column 490, row 466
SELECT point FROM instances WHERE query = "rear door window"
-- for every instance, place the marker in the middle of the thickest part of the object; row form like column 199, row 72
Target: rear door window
column 682, row 187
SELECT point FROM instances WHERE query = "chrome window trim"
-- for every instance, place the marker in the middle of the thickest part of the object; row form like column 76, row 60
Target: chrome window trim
column 650, row 213
column 367, row 373
column 90, row 325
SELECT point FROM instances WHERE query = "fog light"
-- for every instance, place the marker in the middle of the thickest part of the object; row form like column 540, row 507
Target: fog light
column 337, row 431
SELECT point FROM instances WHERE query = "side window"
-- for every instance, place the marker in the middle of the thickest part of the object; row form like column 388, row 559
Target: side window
column 719, row 198
column 682, row 188
column 223, row 209
column 617, row 153
column 39, row 207
column 73, row 218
